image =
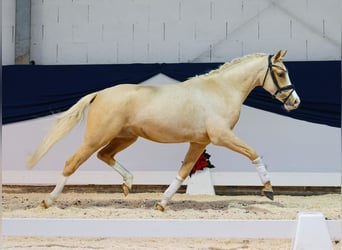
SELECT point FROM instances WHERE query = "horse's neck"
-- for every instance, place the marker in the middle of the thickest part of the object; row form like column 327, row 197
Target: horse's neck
column 242, row 78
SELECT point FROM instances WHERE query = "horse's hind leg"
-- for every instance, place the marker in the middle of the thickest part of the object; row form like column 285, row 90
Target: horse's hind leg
column 71, row 165
column 107, row 155
column 191, row 157
column 55, row 193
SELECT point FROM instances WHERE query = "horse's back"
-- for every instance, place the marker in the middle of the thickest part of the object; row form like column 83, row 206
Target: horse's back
column 123, row 93
column 130, row 101
column 136, row 96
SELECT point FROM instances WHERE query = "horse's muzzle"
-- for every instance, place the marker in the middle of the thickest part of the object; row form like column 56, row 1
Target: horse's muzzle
column 292, row 104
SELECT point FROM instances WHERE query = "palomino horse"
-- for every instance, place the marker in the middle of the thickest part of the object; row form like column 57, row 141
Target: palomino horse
column 118, row 115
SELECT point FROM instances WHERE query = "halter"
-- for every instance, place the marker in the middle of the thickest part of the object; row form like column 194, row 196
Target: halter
column 275, row 81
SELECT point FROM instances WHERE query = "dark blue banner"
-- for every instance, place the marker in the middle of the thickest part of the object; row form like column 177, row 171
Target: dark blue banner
column 31, row 91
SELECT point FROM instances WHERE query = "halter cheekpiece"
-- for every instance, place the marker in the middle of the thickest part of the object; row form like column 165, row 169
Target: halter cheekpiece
column 275, row 81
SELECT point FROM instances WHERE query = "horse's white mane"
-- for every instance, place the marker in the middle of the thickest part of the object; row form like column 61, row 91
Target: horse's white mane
column 235, row 61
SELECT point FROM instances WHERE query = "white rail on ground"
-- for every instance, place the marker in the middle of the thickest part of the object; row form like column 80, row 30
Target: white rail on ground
column 171, row 228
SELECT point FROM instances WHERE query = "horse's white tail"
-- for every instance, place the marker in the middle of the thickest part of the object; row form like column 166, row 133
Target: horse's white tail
column 65, row 122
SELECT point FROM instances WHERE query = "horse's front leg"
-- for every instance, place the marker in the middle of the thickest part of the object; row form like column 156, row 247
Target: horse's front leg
column 267, row 190
column 230, row 140
column 191, row 157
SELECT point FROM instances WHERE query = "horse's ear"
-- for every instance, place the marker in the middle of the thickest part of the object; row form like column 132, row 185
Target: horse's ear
column 279, row 56
column 283, row 53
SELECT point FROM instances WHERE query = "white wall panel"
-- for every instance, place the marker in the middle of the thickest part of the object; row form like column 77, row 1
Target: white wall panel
column 161, row 11
column 125, row 51
column 316, row 46
column 299, row 25
column 251, row 9
column 227, row 49
column 74, row 13
column 210, row 31
column 105, row 12
column 247, row 31
column 140, row 51
column 80, row 33
column 45, row 12
column 99, row 53
column 131, row 11
column 180, row 31
column 294, row 47
column 72, row 53
column 202, row 52
column 224, row 10
column 140, row 32
column 8, row 52
column 45, row 52
column 117, row 32
column 57, row 33
column 191, row 11
column 8, row 32
column 274, row 25
column 167, row 51
column 157, row 32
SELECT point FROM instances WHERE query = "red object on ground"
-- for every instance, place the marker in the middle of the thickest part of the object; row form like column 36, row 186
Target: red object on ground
column 202, row 162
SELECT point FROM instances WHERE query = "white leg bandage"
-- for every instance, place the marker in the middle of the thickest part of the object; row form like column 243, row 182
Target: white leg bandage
column 126, row 175
column 171, row 190
column 56, row 192
column 261, row 169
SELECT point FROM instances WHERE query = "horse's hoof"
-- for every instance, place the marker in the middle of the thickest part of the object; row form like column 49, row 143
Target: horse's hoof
column 44, row 205
column 267, row 190
column 125, row 189
column 269, row 195
column 160, row 207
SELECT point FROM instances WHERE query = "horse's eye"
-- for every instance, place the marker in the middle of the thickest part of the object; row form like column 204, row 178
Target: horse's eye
column 282, row 74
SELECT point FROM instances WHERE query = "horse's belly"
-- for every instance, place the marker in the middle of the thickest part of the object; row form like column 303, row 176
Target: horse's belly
column 166, row 134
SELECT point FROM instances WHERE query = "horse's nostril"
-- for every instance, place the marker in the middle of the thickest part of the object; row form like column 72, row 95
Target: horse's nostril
column 297, row 102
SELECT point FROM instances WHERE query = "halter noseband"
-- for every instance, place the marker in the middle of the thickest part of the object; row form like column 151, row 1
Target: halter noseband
column 275, row 81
